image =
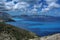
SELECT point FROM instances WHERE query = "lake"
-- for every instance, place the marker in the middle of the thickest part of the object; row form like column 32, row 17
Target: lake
column 40, row 28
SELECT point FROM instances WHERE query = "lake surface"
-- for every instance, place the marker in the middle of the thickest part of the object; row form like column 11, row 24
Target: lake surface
column 40, row 28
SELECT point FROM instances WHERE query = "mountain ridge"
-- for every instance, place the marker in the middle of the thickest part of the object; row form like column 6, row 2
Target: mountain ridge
column 5, row 17
column 41, row 18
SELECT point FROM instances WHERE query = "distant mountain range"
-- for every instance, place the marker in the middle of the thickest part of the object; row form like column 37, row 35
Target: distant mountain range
column 43, row 18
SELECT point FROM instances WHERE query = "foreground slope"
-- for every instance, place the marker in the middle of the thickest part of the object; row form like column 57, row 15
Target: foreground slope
column 51, row 37
column 8, row 32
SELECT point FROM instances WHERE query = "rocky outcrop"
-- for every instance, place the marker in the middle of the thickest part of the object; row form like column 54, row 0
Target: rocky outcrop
column 52, row 37
column 9, row 32
column 5, row 17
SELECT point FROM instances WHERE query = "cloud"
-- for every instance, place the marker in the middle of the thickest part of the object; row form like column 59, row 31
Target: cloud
column 21, row 5
column 45, row 9
column 16, row 0
column 9, row 5
column 38, row 5
column 50, row 1
column 51, row 4
column 35, row 8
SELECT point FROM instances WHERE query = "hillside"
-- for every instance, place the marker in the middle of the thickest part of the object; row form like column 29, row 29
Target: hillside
column 9, row 32
column 5, row 17
column 51, row 37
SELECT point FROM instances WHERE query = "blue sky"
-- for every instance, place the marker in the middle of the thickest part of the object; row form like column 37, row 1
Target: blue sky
column 39, row 7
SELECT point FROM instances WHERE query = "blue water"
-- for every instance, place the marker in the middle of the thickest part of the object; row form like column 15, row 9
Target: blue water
column 40, row 28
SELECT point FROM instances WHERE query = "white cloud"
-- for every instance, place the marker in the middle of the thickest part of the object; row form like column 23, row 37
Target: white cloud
column 9, row 5
column 20, row 5
column 51, row 4
column 45, row 9
column 38, row 5
column 23, row 5
column 15, row 0
column 50, row 1
column 34, row 10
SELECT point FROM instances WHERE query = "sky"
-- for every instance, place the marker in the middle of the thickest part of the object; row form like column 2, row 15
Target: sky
column 31, row 7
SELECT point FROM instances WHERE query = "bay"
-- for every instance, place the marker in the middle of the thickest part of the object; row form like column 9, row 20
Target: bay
column 40, row 28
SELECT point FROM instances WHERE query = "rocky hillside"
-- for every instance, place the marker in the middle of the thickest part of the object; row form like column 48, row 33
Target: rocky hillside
column 52, row 37
column 8, row 32
column 5, row 17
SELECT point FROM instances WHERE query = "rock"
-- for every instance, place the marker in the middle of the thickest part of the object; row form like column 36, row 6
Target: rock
column 53, row 37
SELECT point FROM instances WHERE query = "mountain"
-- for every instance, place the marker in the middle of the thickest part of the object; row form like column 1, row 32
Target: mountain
column 5, row 17
column 41, row 18
column 9, row 32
